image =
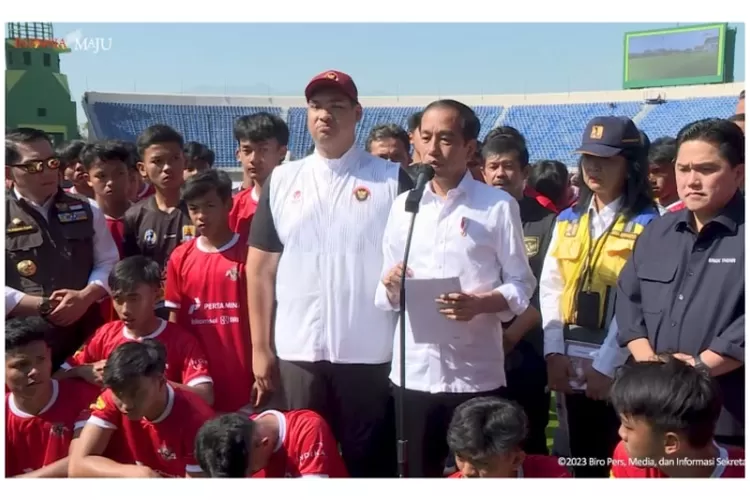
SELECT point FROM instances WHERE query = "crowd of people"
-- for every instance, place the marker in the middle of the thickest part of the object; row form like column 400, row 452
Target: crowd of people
column 160, row 323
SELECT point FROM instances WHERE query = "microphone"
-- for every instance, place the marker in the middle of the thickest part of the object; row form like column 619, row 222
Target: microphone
column 425, row 173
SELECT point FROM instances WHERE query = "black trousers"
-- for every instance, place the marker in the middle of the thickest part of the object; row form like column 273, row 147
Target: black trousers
column 355, row 400
column 64, row 341
column 427, row 419
column 593, row 433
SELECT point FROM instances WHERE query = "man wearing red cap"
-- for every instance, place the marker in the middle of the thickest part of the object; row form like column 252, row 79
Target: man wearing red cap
column 315, row 250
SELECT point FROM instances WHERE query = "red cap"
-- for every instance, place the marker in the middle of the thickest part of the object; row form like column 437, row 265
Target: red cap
column 335, row 79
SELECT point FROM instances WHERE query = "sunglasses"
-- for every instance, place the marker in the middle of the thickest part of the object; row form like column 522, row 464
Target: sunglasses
column 37, row 166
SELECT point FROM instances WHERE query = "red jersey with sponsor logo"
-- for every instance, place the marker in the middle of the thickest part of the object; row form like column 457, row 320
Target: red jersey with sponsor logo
column 731, row 463
column 186, row 363
column 208, row 291
column 34, row 441
column 165, row 444
column 306, row 447
column 536, row 466
column 243, row 208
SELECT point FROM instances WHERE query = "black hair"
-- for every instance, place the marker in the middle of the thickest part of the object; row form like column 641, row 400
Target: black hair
column 133, row 156
column 726, row 135
column 645, row 140
column 103, row 151
column 739, row 117
column 388, row 131
column 671, row 396
column 22, row 331
column 196, row 151
column 742, row 95
column 470, row 124
column 132, row 360
column 158, row 134
column 663, row 151
column 550, row 178
column 70, row 152
column 505, row 144
column 131, row 272
column 484, row 427
column 222, row 445
column 204, row 182
column 261, row 127
column 412, row 123
column 22, row 135
column 506, row 130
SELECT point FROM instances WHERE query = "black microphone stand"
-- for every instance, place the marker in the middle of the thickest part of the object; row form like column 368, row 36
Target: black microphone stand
column 412, row 207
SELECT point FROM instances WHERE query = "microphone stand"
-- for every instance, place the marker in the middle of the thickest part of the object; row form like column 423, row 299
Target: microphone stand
column 411, row 206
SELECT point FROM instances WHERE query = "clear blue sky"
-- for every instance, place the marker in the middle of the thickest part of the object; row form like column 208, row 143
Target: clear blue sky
column 384, row 59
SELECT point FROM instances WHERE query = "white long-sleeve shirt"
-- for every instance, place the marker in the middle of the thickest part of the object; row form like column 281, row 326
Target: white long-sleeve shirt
column 610, row 355
column 475, row 234
column 106, row 254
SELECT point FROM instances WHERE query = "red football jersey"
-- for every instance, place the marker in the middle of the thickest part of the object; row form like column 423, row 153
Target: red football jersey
column 33, row 441
column 186, row 363
column 243, row 209
column 208, row 291
column 306, row 447
column 117, row 229
column 146, row 191
column 165, row 444
column 731, row 463
column 536, row 466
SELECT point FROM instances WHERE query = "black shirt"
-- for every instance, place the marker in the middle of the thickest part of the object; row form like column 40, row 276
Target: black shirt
column 685, row 292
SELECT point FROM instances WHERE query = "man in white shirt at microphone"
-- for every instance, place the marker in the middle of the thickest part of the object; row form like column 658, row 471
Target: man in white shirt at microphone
column 464, row 229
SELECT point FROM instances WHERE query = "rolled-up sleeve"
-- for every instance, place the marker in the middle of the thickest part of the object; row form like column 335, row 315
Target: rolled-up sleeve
column 106, row 254
column 628, row 311
column 550, row 293
column 731, row 341
column 391, row 256
column 518, row 281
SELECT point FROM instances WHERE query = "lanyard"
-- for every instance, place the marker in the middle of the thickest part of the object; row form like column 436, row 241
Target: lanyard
column 595, row 251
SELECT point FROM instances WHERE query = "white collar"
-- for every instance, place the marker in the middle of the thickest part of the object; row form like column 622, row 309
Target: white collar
column 609, row 210
column 467, row 182
column 159, row 329
column 22, row 414
column 202, row 246
column 282, row 426
column 44, row 205
column 168, row 408
column 346, row 162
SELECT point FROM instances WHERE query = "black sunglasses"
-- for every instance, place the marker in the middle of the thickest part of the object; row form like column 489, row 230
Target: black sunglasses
column 37, row 166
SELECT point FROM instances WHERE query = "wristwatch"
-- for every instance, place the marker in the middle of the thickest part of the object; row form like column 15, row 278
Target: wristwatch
column 700, row 365
column 45, row 307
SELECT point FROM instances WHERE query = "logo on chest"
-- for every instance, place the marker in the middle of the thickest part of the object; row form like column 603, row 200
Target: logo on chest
column 532, row 245
column 361, row 193
column 233, row 274
column 165, row 453
column 57, row 430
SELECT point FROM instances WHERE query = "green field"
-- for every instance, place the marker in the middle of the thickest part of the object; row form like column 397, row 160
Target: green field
column 663, row 67
column 553, row 424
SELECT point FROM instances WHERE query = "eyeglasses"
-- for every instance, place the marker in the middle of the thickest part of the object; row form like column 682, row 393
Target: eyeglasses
column 37, row 166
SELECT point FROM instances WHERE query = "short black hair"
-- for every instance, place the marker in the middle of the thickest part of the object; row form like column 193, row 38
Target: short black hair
column 484, row 427
column 204, row 182
column 131, row 272
column 133, row 156
column 412, row 123
column 506, row 130
column 222, row 445
column 663, row 151
column 470, row 124
column 739, row 117
column 388, row 131
column 260, row 127
column 22, row 135
column 22, row 331
column 196, row 151
column 103, row 151
column 550, row 178
column 669, row 395
column 742, row 95
column 70, row 152
column 504, row 144
column 131, row 360
column 726, row 135
column 158, row 134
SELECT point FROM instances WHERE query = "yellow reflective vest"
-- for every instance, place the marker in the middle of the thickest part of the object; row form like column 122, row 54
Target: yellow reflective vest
column 609, row 255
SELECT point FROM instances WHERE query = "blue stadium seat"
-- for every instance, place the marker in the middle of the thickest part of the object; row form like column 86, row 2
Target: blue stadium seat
column 667, row 119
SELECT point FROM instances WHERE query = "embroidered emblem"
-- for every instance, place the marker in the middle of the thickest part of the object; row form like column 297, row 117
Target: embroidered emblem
column 532, row 245
column 361, row 193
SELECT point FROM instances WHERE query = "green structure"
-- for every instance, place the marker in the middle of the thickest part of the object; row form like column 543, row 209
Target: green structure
column 36, row 93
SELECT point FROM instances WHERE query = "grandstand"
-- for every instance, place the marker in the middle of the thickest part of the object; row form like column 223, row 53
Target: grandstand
column 552, row 123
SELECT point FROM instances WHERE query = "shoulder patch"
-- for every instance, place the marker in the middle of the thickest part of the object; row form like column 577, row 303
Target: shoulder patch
column 568, row 215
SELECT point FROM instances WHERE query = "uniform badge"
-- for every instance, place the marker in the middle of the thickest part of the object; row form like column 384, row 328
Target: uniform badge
column 464, row 225
column 597, row 132
column 297, row 196
column 18, row 226
column 26, row 268
column 188, row 233
column 61, row 207
column 99, row 405
column 150, row 237
column 571, row 230
column 361, row 193
column 66, row 217
column 233, row 274
column 532, row 245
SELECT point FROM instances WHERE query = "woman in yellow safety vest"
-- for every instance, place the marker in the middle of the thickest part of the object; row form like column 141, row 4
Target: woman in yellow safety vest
column 589, row 246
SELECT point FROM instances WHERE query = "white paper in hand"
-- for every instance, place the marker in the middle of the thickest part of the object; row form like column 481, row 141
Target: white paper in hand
column 427, row 324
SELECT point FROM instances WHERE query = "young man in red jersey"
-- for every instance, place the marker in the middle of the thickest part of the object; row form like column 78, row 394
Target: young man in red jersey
column 668, row 412
column 206, row 290
column 486, row 438
column 271, row 444
column 262, row 140
column 144, row 413
column 41, row 414
column 135, row 283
